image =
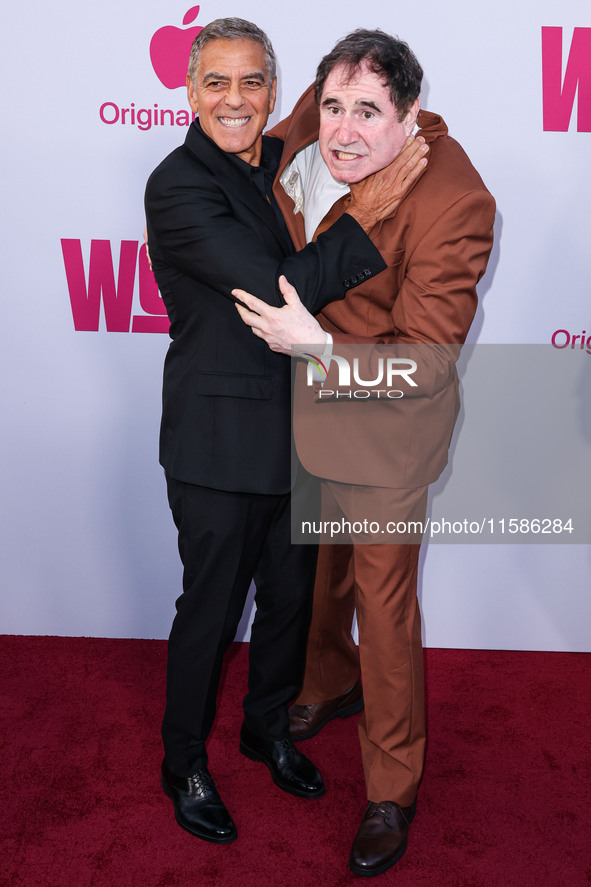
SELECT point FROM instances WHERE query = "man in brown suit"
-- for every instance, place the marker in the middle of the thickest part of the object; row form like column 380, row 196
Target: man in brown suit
column 363, row 107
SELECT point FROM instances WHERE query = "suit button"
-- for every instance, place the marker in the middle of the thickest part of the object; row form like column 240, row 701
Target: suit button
column 347, row 283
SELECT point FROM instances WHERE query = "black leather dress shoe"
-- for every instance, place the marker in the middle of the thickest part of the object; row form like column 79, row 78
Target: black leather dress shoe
column 198, row 807
column 290, row 770
column 382, row 837
column 306, row 721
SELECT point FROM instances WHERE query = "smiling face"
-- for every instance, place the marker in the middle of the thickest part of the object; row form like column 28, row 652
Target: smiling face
column 233, row 96
column 360, row 132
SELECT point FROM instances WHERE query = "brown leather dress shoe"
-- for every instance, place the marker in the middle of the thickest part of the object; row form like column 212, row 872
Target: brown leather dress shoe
column 306, row 721
column 382, row 837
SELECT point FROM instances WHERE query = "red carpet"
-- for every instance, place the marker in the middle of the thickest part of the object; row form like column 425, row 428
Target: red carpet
column 505, row 799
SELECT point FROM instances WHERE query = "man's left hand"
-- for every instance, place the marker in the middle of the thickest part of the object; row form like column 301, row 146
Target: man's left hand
column 283, row 329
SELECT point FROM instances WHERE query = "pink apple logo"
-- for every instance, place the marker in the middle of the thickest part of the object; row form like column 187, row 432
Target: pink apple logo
column 170, row 48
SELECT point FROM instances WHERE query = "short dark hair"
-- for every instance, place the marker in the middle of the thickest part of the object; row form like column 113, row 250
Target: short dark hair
column 386, row 56
column 231, row 29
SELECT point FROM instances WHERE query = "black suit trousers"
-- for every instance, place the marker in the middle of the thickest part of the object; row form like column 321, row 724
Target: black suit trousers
column 226, row 539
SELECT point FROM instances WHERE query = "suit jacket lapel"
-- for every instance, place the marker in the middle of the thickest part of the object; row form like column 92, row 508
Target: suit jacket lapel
column 234, row 180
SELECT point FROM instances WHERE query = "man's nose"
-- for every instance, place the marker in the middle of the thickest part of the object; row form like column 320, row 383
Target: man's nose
column 346, row 132
column 234, row 96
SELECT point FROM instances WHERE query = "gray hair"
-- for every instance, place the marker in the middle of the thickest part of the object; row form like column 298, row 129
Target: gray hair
column 231, row 29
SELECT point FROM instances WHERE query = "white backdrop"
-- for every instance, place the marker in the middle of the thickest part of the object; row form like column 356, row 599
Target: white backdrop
column 88, row 545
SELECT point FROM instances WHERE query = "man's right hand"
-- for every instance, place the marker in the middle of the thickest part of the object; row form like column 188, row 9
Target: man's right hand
column 378, row 196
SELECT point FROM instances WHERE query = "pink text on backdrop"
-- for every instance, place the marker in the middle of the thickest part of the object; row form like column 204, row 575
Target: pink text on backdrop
column 86, row 296
column 559, row 94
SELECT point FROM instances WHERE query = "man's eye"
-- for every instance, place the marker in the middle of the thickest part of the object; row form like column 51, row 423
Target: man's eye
column 253, row 84
column 367, row 115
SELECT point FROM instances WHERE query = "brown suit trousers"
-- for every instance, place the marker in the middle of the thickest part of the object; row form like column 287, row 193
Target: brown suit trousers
column 379, row 582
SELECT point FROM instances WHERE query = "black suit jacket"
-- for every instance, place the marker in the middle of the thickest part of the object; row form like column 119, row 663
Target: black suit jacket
column 226, row 397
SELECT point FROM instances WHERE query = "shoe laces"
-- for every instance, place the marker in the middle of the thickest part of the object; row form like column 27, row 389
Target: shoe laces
column 387, row 809
column 383, row 809
column 202, row 783
column 287, row 747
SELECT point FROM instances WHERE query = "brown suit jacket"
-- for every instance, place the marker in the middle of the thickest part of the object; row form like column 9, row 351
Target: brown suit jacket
column 436, row 247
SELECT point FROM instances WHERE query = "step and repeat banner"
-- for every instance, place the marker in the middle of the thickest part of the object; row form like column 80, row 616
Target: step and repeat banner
column 93, row 99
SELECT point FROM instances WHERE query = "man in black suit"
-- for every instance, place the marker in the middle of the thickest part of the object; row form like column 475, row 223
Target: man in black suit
column 213, row 225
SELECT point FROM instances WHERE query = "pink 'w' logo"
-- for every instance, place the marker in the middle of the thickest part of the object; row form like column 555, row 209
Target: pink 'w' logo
column 88, row 293
column 559, row 94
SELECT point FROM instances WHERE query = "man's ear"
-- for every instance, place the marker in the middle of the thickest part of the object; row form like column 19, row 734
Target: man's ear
column 410, row 120
column 272, row 95
column 192, row 96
